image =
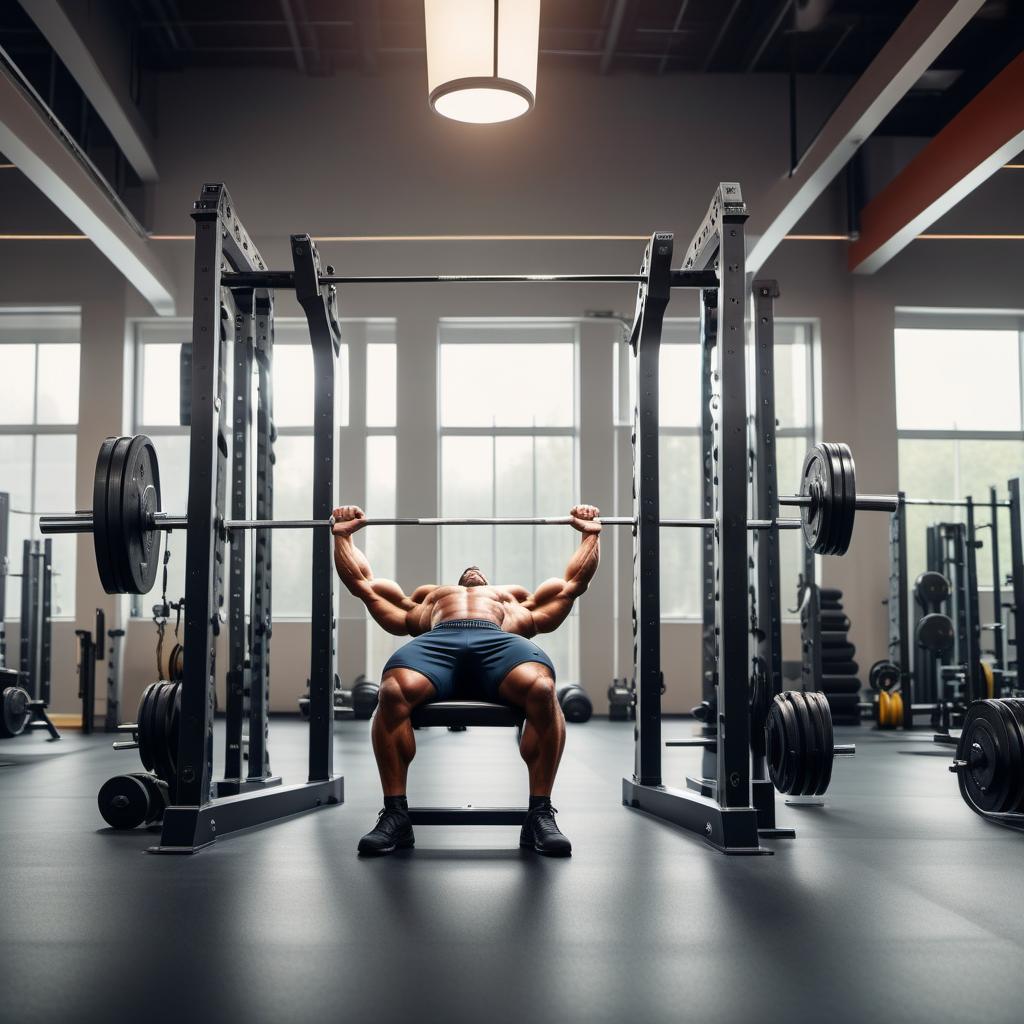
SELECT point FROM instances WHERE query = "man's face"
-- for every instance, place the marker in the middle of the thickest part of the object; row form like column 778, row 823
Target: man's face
column 473, row 577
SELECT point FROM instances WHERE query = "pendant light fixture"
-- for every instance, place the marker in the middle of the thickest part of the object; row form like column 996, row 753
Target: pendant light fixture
column 482, row 58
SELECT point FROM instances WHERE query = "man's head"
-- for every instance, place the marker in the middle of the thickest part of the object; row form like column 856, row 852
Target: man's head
column 472, row 577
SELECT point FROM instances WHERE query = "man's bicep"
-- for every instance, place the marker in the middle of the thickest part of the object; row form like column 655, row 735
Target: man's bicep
column 546, row 592
column 390, row 591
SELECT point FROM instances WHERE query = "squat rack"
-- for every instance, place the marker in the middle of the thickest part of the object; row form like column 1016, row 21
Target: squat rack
column 233, row 302
column 723, row 814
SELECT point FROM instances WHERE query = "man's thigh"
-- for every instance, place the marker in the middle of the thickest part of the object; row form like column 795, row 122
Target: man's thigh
column 431, row 656
column 508, row 655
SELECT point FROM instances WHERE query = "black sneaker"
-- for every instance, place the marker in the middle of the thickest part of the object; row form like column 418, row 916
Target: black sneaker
column 541, row 833
column 393, row 831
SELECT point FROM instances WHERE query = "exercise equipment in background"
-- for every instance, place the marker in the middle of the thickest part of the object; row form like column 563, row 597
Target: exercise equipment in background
column 25, row 692
column 574, row 702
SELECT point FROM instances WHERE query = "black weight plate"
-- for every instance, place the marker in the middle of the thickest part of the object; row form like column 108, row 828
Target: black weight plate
column 884, row 675
column 834, row 621
column 831, row 606
column 833, row 638
column 985, row 744
column 100, row 528
column 840, row 684
column 778, row 731
column 842, row 533
column 157, row 792
column 816, row 749
column 828, row 745
column 1016, row 708
column 807, row 753
column 838, row 652
column 140, row 499
column 163, row 766
column 837, row 489
column 849, row 497
column 174, row 735
column 1010, row 783
column 842, row 668
column 830, row 593
column 14, row 711
column 931, row 589
column 815, row 483
column 934, row 632
column 116, row 544
column 144, row 725
column 123, row 801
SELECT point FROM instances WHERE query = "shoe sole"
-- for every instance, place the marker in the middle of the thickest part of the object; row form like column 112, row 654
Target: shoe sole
column 546, row 853
column 387, row 849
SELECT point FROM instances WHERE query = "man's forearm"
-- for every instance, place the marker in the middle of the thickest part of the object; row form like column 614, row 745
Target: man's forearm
column 583, row 564
column 352, row 565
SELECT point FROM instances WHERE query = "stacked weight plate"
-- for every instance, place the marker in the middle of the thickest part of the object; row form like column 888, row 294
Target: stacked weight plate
column 839, row 680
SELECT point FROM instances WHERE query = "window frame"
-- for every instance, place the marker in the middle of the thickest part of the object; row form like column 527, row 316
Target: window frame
column 621, row 421
column 522, row 326
column 137, row 327
column 50, row 325
column 963, row 319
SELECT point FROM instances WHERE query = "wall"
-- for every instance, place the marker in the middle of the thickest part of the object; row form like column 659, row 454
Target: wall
column 619, row 155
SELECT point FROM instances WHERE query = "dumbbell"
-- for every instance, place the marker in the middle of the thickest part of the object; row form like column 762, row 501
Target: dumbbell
column 365, row 693
column 575, row 704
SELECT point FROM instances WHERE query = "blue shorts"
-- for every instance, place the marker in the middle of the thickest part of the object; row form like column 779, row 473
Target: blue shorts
column 466, row 659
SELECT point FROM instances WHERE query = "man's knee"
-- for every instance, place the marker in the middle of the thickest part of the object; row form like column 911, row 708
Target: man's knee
column 541, row 694
column 397, row 697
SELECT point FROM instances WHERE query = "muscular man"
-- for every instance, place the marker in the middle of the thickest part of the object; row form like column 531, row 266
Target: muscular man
column 472, row 641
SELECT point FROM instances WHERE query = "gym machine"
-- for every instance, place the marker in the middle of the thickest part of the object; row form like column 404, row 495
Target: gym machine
column 90, row 651
column 25, row 692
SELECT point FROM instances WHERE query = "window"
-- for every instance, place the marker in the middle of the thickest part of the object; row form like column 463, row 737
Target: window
column 680, row 454
column 39, row 364
column 958, row 409
column 158, row 346
column 509, row 433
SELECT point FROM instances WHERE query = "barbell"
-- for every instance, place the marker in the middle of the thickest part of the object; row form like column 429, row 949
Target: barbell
column 126, row 520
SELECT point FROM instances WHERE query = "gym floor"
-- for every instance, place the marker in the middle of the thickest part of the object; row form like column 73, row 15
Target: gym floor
column 893, row 903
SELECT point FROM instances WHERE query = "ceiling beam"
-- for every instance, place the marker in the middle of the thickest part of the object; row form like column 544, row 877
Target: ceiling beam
column 368, row 29
column 92, row 47
column 910, row 50
column 611, row 39
column 34, row 141
column 293, row 35
column 770, row 34
column 987, row 133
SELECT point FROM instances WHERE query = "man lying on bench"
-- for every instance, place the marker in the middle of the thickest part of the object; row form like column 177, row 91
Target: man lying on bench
column 472, row 639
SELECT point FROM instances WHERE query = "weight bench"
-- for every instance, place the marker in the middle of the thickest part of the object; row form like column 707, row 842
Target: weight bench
column 466, row 713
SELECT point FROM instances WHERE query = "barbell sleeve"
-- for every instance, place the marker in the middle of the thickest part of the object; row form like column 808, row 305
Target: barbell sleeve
column 864, row 502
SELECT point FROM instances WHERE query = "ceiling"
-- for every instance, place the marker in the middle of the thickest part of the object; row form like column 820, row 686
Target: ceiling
column 594, row 37
column 649, row 37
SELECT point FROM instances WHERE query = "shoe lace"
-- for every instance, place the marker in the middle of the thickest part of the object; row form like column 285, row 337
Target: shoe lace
column 544, row 820
column 390, row 818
